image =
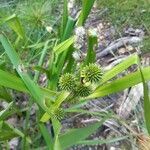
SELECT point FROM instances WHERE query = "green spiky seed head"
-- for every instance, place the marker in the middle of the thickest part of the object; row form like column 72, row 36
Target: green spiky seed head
column 82, row 91
column 67, row 82
column 59, row 113
column 91, row 73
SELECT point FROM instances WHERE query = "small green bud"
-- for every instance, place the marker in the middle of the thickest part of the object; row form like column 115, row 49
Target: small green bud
column 67, row 82
column 91, row 73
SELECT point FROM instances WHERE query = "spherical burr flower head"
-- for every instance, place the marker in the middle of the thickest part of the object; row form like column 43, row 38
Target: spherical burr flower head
column 67, row 82
column 83, row 91
column 91, row 73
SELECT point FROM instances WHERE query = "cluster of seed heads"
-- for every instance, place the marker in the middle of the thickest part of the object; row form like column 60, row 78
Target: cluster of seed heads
column 90, row 73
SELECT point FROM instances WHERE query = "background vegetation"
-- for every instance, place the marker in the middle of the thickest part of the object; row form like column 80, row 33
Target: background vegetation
column 36, row 51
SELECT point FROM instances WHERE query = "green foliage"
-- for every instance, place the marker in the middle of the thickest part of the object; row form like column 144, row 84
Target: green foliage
column 63, row 46
column 32, row 87
column 121, row 12
column 146, row 101
column 86, row 8
column 78, row 81
column 120, row 84
column 7, row 131
column 14, row 23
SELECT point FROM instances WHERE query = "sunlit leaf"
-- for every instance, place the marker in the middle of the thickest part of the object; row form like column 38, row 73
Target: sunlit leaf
column 146, row 101
column 121, row 84
column 63, row 46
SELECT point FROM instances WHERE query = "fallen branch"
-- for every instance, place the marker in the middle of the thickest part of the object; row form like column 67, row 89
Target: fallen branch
column 119, row 43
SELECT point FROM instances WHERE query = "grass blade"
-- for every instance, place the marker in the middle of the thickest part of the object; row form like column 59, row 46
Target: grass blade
column 3, row 112
column 121, row 84
column 46, row 135
column 86, row 8
column 63, row 46
column 8, row 132
column 75, row 135
column 100, row 142
column 146, row 102
column 69, row 28
column 34, row 90
column 11, row 81
column 64, row 18
column 133, row 59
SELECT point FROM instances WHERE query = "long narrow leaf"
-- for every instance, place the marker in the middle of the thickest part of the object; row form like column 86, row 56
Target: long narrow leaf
column 69, row 28
column 11, row 81
column 63, row 46
column 121, row 84
column 32, row 87
column 65, row 17
column 75, row 135
column 8, row 132
column 86, row 8
column 146, row 101
column 100, row 142
column 46, row 135
column 133, row 59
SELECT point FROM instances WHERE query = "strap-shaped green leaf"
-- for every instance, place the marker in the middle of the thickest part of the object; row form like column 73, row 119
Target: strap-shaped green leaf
column 11, row 81
column 73, row 136
column 86, row 8
column 121, row 84
column 63, row 46
column 64, row 18
column 34, row 90
column 146, row 101
column 131, row 60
